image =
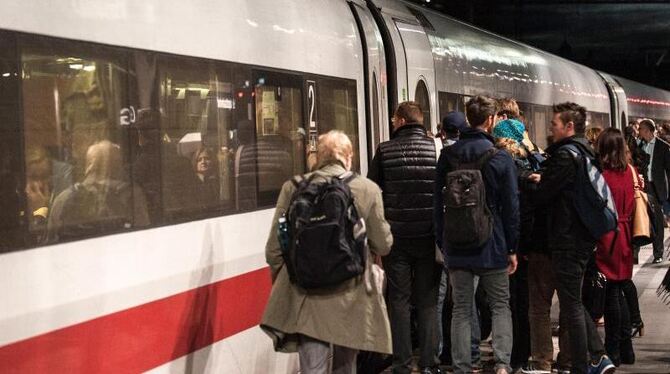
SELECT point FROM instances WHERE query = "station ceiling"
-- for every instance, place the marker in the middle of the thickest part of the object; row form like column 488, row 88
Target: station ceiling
column 626, row 38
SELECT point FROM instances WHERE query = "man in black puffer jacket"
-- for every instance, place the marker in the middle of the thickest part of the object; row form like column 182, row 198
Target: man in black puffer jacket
column 404, row 168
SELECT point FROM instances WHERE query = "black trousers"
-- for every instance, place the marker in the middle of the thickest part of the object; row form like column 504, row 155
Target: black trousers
column 520, row 323
column 617, row 322
column 569, row 267
column 657, row 206
column 630, row 292
column 413, row 279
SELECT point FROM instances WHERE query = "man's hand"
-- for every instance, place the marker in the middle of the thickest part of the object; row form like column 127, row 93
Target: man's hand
column 38, row 195
column 535, row 178
column 512, row 263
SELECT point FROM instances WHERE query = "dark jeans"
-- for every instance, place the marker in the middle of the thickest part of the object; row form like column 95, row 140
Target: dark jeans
column 630, row 292
column 617, row 322
column 569, row 267
column 518, row 301
column 658, row 218
column 413, row 278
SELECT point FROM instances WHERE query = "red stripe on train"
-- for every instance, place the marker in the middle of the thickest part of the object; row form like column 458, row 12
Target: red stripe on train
column 146, row 336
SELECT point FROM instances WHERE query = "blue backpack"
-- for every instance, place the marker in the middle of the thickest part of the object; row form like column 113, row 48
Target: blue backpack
column 593, row 199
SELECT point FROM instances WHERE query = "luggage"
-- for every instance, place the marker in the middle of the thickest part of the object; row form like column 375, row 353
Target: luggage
column 324, row 239
column 468, row 221
column 593, row 199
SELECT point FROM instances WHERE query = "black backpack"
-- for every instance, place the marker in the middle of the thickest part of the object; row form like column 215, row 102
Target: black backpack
column 326, row 242
column 468, row 222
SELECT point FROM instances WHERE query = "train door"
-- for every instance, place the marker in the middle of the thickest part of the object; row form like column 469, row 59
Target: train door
column 420, row 69
column 377, row 115
column 618, row 102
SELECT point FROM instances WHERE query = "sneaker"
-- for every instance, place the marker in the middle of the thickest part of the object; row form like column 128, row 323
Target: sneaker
column 657, row 260
column 604, row 366
column 530, row 368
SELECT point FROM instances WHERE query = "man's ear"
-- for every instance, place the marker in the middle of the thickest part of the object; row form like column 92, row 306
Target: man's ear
column 570, row 124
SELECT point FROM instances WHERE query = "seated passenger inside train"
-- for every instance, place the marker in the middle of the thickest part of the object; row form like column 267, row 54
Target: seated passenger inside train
column 206, row 182
column 102, row 202
column 46, row 177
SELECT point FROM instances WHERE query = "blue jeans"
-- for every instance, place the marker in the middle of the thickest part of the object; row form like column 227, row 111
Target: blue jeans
column 496, row 285
column 476, row 331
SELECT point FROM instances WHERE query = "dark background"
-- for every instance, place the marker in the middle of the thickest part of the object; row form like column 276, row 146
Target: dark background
column 626, row 38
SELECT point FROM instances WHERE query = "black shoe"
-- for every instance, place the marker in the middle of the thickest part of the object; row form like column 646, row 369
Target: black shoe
column 637, row 329
column 657, row 260
column 627, row 354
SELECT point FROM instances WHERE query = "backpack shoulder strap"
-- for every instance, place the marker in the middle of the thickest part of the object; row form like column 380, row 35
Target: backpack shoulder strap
column 480, row 162
column 485, row 158
column 300, row 180
column 347, row 176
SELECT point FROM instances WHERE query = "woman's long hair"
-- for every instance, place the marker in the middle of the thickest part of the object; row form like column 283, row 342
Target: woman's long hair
column 611, row 150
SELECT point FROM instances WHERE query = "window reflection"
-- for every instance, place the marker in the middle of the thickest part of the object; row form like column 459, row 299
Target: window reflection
column 76, row 185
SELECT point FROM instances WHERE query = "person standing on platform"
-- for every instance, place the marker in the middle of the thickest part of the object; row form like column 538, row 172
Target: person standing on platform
column 656, row 179
column 614, row 255
column 404, row 168
column 328, row 326
column 569, row 240
column 470, row 251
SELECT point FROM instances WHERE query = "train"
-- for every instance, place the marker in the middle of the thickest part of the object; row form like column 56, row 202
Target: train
column 206, row 107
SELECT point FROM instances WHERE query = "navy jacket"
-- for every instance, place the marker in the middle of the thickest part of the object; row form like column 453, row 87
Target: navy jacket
column 502, row 195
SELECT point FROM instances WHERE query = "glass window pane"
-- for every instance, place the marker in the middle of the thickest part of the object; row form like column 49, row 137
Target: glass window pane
column 76, row 149
column 338, row 110
column 421, row 97
column 202, row 104
column 279, row 146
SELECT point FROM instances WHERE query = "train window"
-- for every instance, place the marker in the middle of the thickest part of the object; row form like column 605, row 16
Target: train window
column 541, row 124
column 338, row 110
column 449, row 102
column 422, row 97
column 198, row 133
column 10, row 146
column 277, row 152
column 75, row 145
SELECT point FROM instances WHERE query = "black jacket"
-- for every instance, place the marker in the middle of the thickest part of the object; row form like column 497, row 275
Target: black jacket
column 565, row 231
column 660, row 168
column 502, row 196
column 404, row 168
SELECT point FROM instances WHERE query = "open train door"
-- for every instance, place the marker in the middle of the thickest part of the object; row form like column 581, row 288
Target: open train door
column 420, row 67
column 618, row 102
column 374, row 61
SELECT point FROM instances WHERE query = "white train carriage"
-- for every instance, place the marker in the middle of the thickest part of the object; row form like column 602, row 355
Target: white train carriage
column 212, row 105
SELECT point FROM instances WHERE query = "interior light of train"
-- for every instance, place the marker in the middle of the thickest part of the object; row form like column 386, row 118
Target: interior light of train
column 89, row 68
column 76, row 66
column 6, row 74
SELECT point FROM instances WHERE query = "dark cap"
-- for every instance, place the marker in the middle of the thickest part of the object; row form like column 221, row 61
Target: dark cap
column 454, row 121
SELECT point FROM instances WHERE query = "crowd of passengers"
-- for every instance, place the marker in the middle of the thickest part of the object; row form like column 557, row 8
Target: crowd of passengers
column 446, row 302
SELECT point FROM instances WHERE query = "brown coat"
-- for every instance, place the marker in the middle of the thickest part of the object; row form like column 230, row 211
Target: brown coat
column 350, row 315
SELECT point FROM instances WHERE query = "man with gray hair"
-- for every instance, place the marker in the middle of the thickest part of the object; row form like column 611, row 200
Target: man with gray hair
column 337, row 321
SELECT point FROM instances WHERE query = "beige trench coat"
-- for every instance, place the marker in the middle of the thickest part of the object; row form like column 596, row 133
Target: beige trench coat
column 350, row 315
